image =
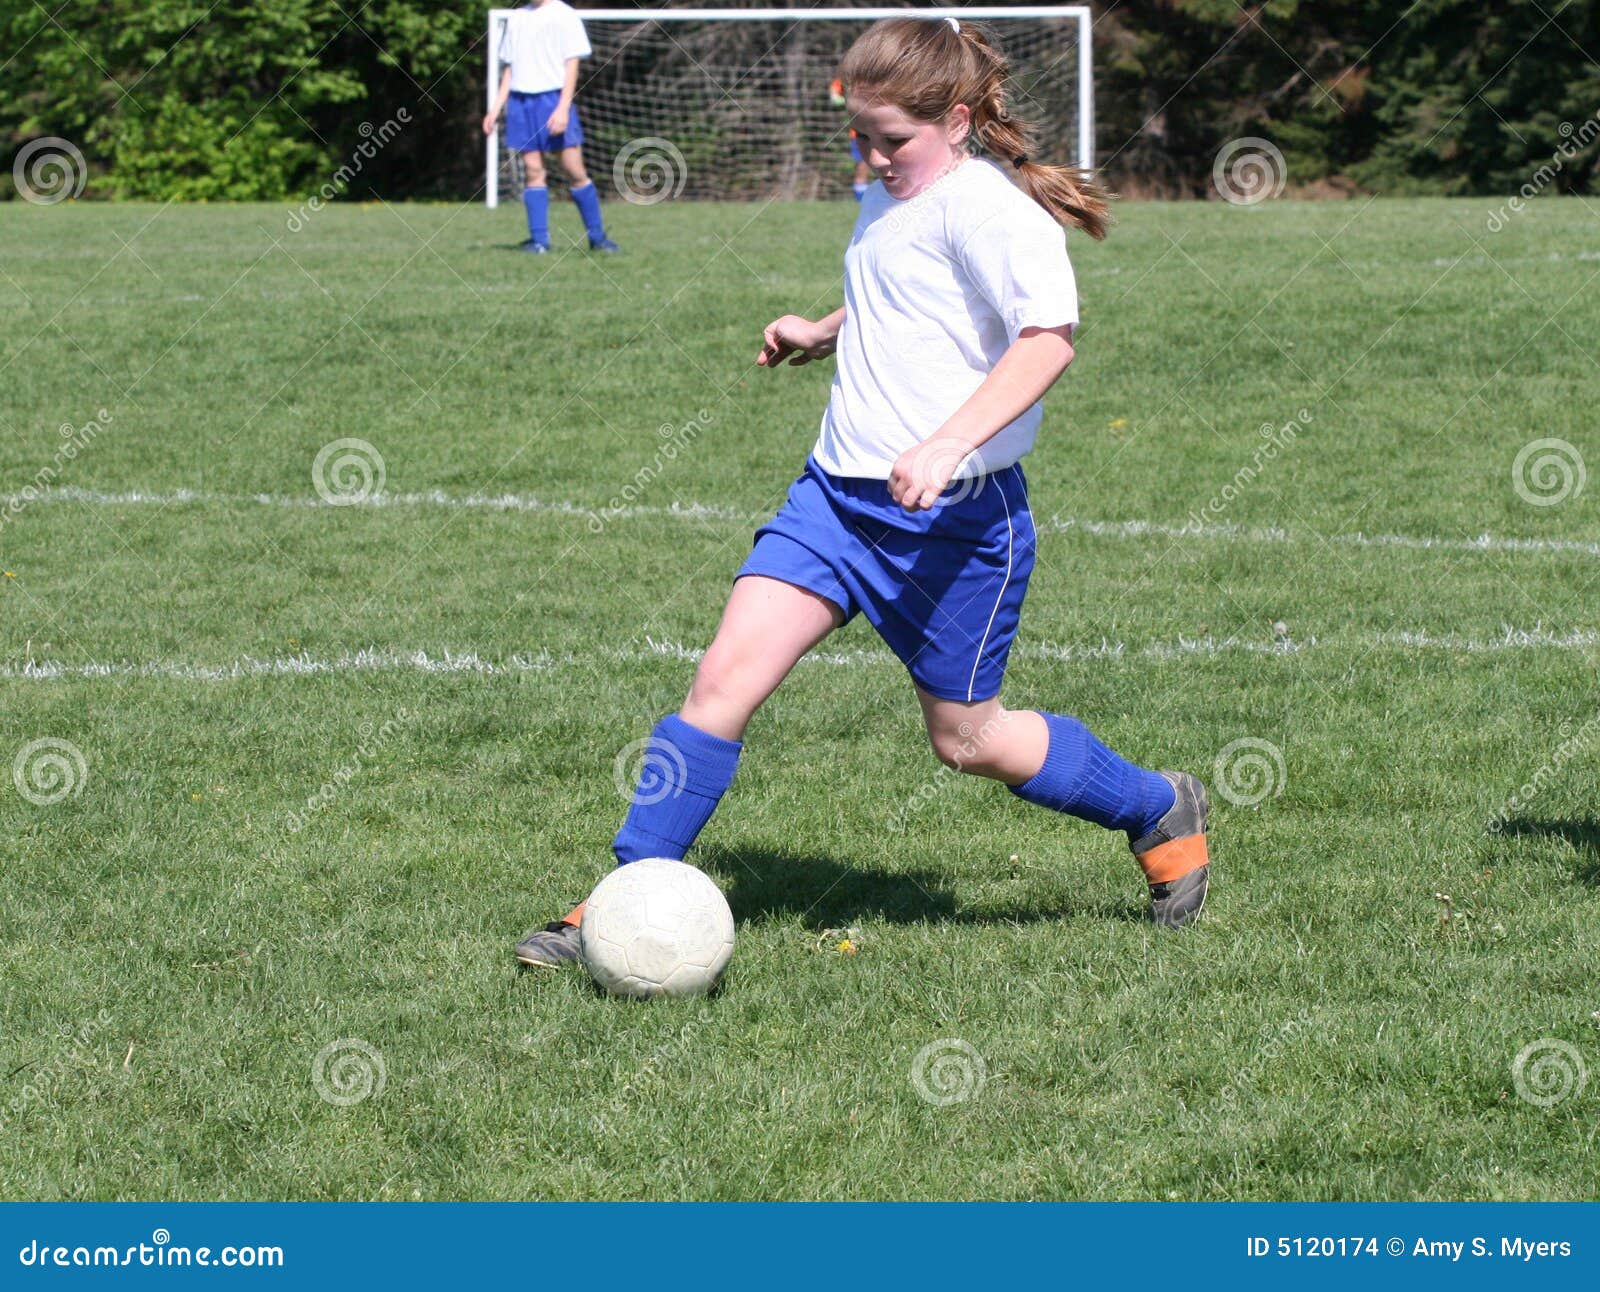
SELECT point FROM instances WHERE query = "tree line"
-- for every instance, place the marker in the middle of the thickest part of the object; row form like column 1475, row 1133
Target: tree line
column 186, row 100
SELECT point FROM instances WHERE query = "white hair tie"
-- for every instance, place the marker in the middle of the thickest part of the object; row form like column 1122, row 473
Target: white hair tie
column 955, row 25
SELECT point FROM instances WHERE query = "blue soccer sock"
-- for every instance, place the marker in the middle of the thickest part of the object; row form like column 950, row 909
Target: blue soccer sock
column 1083, row 778
column 587, row 199
column 685, row 773
column 537, row 203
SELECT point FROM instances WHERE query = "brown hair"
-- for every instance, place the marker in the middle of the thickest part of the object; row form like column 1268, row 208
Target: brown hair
column 925, row 67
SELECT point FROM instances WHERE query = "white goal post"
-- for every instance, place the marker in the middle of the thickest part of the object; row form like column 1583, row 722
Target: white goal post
column 741, row 103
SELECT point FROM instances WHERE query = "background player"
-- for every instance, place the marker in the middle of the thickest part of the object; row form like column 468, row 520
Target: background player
column 540, row 51
column 863, row 172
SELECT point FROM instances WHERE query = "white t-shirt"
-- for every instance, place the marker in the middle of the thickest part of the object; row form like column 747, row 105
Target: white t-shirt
column 537, row 43
column 936, row 288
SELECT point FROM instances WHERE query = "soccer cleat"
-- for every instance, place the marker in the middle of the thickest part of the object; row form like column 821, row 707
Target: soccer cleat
column 533, row 248
column 550, row 947
column 1177, row 904
column 603, row 244
column 1174, row 857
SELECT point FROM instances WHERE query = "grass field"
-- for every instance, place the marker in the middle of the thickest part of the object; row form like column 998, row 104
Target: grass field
column 574, row 454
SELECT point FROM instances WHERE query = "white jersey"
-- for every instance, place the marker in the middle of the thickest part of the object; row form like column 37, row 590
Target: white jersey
column 936, row 288
column 537, row 43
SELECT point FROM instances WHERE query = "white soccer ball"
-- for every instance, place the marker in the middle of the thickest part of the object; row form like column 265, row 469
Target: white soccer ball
column 656, row 928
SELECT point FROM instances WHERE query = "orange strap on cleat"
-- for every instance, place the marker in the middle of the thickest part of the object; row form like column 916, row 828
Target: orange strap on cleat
column 574, row 917
column 1175, row 859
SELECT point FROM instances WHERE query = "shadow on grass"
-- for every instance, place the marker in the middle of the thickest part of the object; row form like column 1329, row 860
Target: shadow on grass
column 1583, row 835
column 761, row 883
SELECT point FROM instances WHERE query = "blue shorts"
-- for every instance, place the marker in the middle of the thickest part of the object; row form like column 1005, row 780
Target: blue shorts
column 527, row 130
column 943, row 587
column 855, row 149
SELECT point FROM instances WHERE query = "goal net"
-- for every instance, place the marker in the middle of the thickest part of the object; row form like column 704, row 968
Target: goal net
column 735, row 103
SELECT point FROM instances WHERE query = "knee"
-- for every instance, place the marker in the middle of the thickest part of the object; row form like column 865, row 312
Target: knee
column 952, row 748
column 971, row 748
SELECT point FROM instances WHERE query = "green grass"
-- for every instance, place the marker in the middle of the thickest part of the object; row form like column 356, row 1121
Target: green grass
column 1323, row 1034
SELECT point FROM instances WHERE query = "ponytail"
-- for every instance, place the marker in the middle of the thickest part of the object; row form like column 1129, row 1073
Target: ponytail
column 1070, row 194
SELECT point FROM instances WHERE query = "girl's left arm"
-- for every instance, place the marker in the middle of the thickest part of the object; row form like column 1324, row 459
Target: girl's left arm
column 1028, row 368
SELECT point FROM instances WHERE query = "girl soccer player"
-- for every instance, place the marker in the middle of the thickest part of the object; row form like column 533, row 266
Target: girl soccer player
column 541, row 47
column 912, row 509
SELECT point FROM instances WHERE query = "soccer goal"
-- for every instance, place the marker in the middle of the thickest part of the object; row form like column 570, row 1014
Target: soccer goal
column 735, row 103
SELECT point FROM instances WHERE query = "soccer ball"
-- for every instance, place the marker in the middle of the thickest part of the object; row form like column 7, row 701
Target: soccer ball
column 656, row 928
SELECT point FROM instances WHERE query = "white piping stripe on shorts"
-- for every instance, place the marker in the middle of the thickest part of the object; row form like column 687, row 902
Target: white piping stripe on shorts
column 1004, row 584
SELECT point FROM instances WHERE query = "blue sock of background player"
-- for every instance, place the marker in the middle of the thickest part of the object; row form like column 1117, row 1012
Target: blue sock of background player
column 536, row 201
column 587, row 199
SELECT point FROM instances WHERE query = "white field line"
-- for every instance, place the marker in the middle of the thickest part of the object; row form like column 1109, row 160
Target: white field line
column 449, row 662
column 379, row 501
column 1132, row 529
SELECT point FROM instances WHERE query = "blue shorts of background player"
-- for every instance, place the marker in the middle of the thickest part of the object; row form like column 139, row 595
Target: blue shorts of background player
column 527, row 123
column 943, row 587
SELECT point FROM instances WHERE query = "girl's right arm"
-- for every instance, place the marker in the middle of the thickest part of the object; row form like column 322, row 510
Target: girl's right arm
column 493, row 114
column 799, row 340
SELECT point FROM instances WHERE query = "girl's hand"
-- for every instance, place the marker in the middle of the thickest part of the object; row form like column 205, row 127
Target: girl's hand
column 489, row 121
column 794, row 338
column 924, row 471
column 558, row 121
